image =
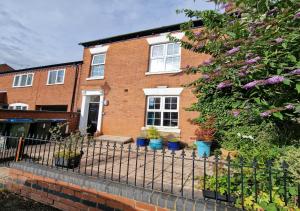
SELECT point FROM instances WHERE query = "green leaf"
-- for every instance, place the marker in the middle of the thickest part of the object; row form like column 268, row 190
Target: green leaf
column 292, row 58
column 298, row 87
column 257, row 100
column 278, row 115
column 293, row 191
column 287, row 82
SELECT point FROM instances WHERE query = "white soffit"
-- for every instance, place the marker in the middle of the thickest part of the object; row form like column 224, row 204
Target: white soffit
column 163, row 38
column 99, row 49
column 162, row 91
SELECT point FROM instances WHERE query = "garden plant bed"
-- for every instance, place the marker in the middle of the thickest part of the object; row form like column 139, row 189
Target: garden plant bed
column 11, row 201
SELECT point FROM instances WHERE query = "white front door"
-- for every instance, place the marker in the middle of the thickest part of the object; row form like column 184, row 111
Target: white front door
column 91, row 112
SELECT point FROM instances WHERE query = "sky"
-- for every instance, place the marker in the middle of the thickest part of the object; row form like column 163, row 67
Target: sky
column 43, row 32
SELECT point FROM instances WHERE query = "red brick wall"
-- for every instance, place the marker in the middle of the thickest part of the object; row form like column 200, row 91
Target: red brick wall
column 64, row 196
column 125, row 67
column 71, row 117
column 40, row 93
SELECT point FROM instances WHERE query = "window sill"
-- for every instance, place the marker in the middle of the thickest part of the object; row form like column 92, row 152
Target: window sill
column 95, row 78
column 163, row 72
column 55, row 84
column 22, row 86
column 164, row 129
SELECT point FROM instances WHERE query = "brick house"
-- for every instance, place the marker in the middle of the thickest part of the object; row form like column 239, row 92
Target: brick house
column 51, row 87
column 124, row 85
column 134, row 81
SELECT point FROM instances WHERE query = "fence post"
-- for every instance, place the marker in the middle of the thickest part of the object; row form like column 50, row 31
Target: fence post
column 19, row 149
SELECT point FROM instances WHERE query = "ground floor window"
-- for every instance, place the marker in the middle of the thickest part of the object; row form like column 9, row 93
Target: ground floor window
column 18, row 106
column 162, row 111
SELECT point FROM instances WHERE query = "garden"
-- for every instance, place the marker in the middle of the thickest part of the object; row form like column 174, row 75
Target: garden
column 248, row 93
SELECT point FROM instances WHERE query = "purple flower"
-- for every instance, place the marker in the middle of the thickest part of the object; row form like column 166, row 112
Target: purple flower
column 207, row 62
column 295, row 72
column 205, row 76
column 224, row 85
column 274, row 79
column 289, row 107
column 245, row 67
column 297, row 15
column 236, row 113
column 265, row 114
column 233, row 50
column 243, row 73
column 254, row 60
column 278, row 40
column 253, row 84
column 197, row 34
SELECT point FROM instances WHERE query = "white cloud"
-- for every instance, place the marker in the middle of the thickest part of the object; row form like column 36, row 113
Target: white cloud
column 35, row 32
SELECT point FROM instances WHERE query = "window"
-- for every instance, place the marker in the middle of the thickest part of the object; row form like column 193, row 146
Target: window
column 23, row 80
column 165, row 57
column 18, row 106
column 97, row 69
column 162, row 111
column 56, row 77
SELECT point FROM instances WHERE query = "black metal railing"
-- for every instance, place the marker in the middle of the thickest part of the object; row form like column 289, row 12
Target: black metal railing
column 181, row 173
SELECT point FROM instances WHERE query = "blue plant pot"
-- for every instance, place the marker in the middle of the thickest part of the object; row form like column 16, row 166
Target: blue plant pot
column 174, row 146
column 142, row 142
column 156, row 144
column 203, row 147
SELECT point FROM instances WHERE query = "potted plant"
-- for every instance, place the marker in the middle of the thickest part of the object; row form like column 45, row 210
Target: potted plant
column 174, row 144
column 222, row 193
column 156, row 141
column 142, row 141
column 204, row 137
column 67, row 158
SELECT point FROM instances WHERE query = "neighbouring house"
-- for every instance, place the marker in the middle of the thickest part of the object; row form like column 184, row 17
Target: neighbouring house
column 133, row 81
column 46, row 88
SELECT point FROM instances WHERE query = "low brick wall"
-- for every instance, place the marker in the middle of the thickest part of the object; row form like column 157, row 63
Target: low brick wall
column 71, row 117
column 68, row 196
column 66, row 190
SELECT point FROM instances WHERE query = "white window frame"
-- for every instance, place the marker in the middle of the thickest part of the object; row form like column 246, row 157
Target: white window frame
column 99, row 64
column 162, row 110
column 165, row 56
column 56, row 83
column 14, row 106
column 20, row 77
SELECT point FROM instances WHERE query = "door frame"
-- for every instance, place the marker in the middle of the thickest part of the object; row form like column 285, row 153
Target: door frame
column 85, row 110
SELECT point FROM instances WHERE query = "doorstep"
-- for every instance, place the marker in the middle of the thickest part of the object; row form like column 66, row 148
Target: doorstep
column 115, row 139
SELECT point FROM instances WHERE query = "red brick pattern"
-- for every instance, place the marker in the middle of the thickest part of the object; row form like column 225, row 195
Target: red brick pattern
column 33, row 186
column 40, row 93
column 124, row 79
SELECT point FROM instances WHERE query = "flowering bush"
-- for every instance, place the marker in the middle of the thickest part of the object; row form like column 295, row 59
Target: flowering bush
column 252, row 77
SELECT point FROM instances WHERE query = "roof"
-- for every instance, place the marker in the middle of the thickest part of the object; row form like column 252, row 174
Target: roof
column 163, row 29
column 5, row 67
column 42, row 67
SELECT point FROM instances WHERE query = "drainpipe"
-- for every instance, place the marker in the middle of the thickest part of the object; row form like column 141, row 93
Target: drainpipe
column 74, row 88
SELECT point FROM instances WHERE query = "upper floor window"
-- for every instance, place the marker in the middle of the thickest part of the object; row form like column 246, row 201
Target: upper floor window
column 162, row 111
column 23, row 80
column 165, row 57
column 18, row 106
column 56, row 77
column 97, row 67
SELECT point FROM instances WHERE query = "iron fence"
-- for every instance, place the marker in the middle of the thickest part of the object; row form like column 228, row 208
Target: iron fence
column 180, row 173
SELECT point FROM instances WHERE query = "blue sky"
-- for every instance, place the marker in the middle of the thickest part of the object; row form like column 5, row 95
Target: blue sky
column 42, row 32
